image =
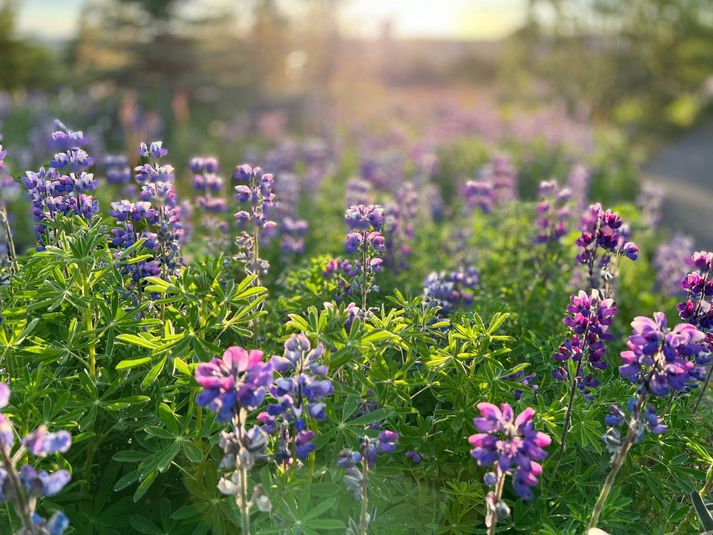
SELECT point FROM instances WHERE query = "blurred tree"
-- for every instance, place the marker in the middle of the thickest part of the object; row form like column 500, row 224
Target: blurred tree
column 641, row 63
column 22, row 65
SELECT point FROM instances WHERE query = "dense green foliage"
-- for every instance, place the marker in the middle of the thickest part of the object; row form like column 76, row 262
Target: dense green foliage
column 115, row 367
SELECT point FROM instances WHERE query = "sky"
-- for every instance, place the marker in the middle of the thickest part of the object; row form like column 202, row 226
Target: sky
column 455, row 19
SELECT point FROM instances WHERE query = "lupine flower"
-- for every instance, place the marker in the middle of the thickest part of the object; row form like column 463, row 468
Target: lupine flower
column 210, row 201
column 672, row 264
column 292, row 229
column 650, row 200
column 661, row 360
column 617, row 418
column 255, row 195
column 501, row 174
column 698, row 285
column 527, row 381
column 364, row 238
column 117, row 169
column 358, row 192
column 588, row 319
column 413, row 456
column 234, row 386
column 578, row 183
column 158, row 190
column 698, row 307
column 298, row 397
column 358, row 463
column 604, row 239
column 342, row 272
column 479, row 194
column 451, row 290
column 511, row 446
column 157, row 218
column 399, row 227
column 33, row 484
column 64, row 187
column 239, row 380
column 42, row 443
column 552, row 212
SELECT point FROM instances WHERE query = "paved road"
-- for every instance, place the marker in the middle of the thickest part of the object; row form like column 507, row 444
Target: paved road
column 685, row 169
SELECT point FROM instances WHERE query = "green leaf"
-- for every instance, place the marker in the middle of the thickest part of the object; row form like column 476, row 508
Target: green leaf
column 193, row 452
column 153, row 373
column 145, row 485
column 378, row 414
column 137, row 341
column 322, row 507
column 144, row 526
column 128, row 479
column 133, row 363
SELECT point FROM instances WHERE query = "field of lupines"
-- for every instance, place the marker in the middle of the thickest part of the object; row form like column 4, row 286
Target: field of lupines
column 415, row 350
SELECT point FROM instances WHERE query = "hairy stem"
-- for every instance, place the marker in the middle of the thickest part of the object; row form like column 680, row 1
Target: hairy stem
column 618, row 462
column 11, row 255
column 243, row 502
column 568, row 414
column 364, row 498
column 499, row 486
column 21, row 507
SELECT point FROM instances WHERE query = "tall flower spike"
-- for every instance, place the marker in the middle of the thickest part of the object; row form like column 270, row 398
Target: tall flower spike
column 24, row 486
column 588, row 319
column 257, row 200
column 659, row 361
column 358, row 464
column 698, row 307
column 233, row 386
column 292, row 229
column 298, row 395
column 158, row 189
column 672, row 264
column 365, row 240
column 210, row 189
column 604, row 240
column 552, row 212
column 510, row 445
column 400, row 217
column 451, row 290
column 64, row 187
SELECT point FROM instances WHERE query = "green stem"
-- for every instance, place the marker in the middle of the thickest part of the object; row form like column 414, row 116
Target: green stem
column 11, row 255
column 89, row 325
column 498, row 496
column 243, row 503
column 568, row 414
column 618, row 462
column 19, row 495
column 364, row 498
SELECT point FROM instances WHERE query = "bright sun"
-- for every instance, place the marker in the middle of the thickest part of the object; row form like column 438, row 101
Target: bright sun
column 454, row 19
